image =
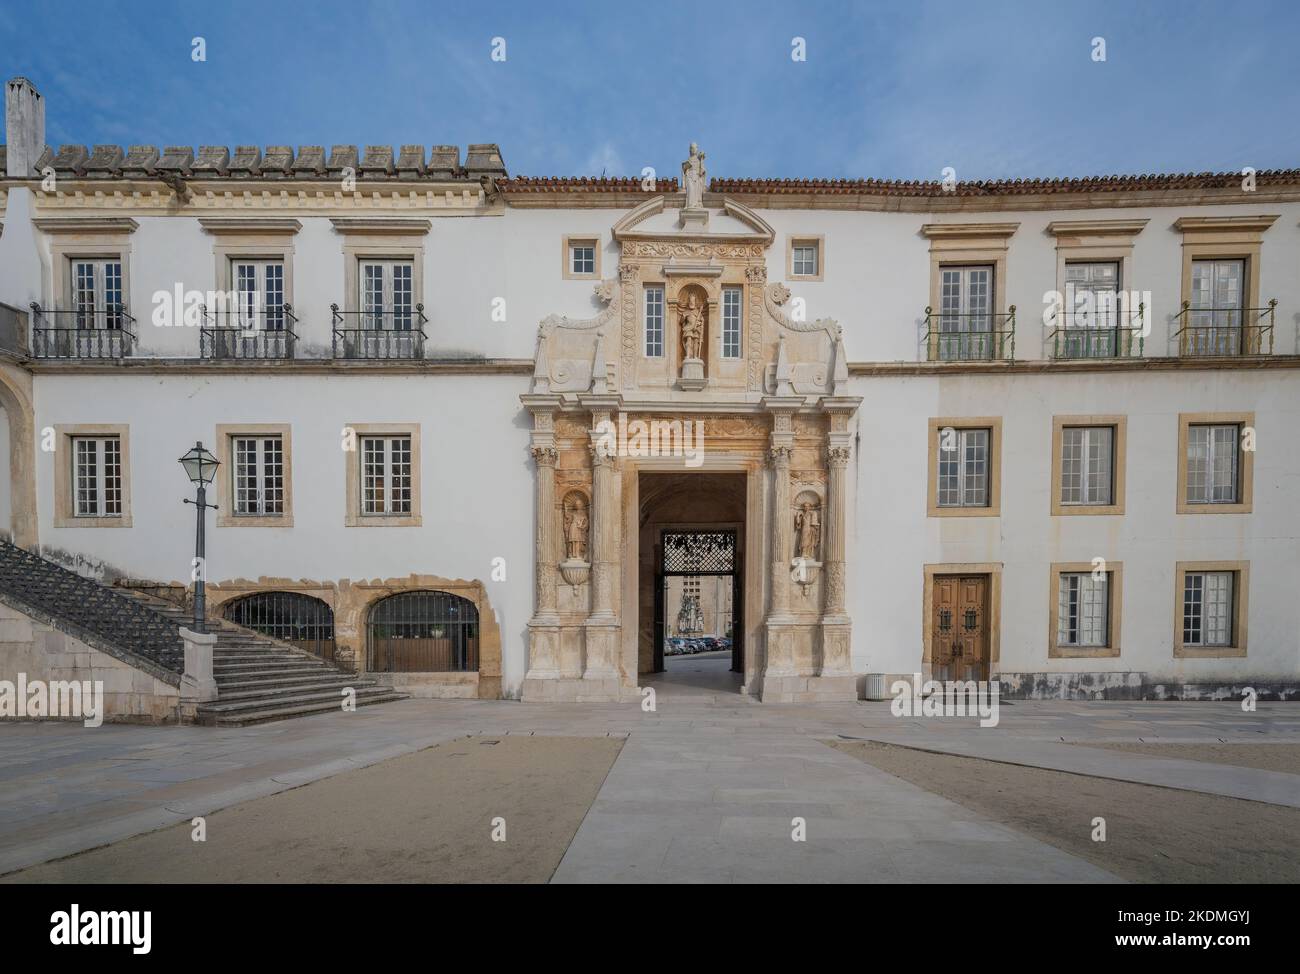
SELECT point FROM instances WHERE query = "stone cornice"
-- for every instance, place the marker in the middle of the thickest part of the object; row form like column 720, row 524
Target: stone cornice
column 388, row 226
column 1066, row 367
column 190, row 366
column 1246, row 222
column 85, row 224
column 246, row 225
column 966, row 231
column 1096, row 228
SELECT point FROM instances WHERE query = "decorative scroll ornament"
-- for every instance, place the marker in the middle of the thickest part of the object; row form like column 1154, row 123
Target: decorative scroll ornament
column 777, row 295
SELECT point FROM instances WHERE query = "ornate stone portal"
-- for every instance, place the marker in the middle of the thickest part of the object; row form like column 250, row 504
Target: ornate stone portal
column 771, row 404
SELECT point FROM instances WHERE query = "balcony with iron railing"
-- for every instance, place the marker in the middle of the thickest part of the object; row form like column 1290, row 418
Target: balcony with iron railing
column 84, row 333
column 229, row 335
column 379, row 335
column 1098, row 334
column 970, row 337
column 1224, row 332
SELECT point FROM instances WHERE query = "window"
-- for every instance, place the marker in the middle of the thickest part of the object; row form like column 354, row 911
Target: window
column 259, row 292
column 582, row 259
column 1217, row 290
column 654, row 322
column 387, row 295
column 97, row 476
column 1212, row 468
column 385, row 475
column 1084, row 612
column 965, row 455
column 1083, row 609
column 97, row 293
column 963, row 468
column 258, row 472
column 1087, row 463
column 1092, row 313
column 731, row 328
column 804, row 260
column 965, row 312
column 1210, row 608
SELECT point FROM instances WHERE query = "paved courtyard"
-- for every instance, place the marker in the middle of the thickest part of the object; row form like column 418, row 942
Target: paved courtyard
column 708, row 787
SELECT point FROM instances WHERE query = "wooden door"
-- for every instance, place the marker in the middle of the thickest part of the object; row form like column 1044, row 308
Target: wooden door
column 959, row 644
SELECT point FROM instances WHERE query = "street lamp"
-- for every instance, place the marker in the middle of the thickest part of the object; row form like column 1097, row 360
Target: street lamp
column 200, row 466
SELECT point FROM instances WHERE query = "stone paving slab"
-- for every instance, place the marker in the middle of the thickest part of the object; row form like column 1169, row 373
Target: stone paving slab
column 1250, row 784
column 65, row 788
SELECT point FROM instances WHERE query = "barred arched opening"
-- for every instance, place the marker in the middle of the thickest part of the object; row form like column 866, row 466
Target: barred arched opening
column 422, row 632
column 305, row 621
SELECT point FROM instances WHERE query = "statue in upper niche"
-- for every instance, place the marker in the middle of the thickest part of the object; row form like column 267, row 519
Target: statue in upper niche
column 808, row 528
column 691, row 318
column 693, row 176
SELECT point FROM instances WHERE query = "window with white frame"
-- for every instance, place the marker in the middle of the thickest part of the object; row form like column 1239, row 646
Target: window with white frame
column 1083, row 610
column 1092, row 289
column 731, row 327
column 582, row 257
column 258, row 472
column 1087, row 465
column 1208, row 608
column 804, row 258
column 654, row 322
column 385, row 475
column 1218, row 290
column 259, row 293
column 387, row 295
column 963, row 467
column 1213, row 471
column 97, row 476
column 97, row 296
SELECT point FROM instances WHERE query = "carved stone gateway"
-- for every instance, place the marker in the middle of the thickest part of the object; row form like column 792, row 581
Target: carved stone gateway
column 772, row 409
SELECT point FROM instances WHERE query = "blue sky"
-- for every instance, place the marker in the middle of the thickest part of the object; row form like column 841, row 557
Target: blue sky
column 891, row 90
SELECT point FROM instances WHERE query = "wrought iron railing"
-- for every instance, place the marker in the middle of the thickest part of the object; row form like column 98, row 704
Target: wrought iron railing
column 1216, row 332
column 264, row 334
column 1088, row 334
column 103, row 333
column 970, row 337
column 379, row 334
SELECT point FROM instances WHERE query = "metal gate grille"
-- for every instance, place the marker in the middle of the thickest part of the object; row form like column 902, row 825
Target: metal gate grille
column 699, row 552
column 422, row 632
column 295, row 618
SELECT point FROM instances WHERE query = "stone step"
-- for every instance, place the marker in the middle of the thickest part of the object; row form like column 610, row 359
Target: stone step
column 239, row 684
column 285, row 712
column 237, row 676
column 331, row 696
column 250, row 666
column 257, row 656
column 298, row 689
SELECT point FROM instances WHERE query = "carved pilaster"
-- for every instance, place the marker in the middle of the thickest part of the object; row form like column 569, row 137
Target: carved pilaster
column 602, row 625
column 628, row 275
column 756, row 277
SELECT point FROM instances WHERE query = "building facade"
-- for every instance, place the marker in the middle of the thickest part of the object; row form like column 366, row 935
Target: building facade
column 472, row 425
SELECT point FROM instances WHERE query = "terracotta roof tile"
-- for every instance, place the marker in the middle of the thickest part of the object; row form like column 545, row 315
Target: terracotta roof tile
column 577, row 184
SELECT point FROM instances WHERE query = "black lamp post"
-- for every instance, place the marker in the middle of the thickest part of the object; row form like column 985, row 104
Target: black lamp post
column 201, row 467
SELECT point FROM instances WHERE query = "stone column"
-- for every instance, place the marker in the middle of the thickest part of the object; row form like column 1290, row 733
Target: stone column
column 602, row 626
column 835, row 621
column 544, row 626
column 780, row 627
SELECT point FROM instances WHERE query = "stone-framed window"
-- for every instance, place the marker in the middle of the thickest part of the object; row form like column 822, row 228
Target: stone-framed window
column 383, row 475
column 387, row 290
column 805, row 258
column 1088, row 464
column 1084, row 611
column 92, row 486
column 581, row 258
column 965, row 467
column 654, row 318
column 255, row 480
column 733, row 316
column 1215, row 463
column 1210, row 604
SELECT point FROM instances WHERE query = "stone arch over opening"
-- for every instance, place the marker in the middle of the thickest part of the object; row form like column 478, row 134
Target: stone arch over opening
column 293, row 617
column 16, row 401
column 422, row 631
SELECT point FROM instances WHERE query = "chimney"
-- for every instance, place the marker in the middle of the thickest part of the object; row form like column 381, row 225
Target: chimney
column 24, row 128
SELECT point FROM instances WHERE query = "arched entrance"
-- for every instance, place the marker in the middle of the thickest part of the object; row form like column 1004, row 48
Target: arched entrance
column 422, row 632
column 292, row 617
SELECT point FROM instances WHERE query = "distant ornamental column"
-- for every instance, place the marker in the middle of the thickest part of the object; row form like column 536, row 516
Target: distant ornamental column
column 602, row 625
column 837, row 460
column 836, row 655
column 543, row 661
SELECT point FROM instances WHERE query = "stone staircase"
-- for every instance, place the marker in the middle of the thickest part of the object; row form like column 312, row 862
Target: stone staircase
column 262, row 679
